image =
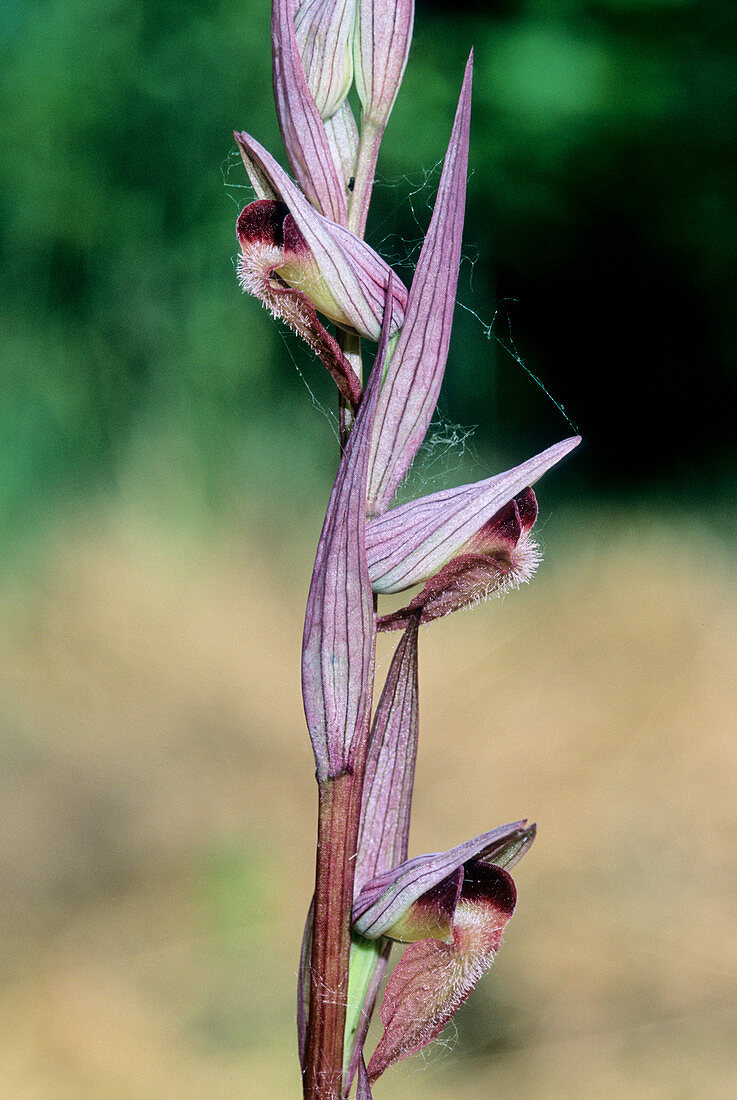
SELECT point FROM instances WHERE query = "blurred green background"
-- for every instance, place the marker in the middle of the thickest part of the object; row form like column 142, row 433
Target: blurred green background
column 165, row 452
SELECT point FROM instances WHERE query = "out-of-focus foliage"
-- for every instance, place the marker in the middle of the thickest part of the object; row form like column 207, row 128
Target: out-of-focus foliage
column 602, row 199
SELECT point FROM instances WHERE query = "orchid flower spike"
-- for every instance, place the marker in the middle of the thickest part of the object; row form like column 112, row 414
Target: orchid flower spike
column 451, row 908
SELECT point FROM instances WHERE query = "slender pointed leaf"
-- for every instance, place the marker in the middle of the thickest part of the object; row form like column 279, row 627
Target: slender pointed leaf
column 390, row 766
column 415, row 373
column 340, row 625
column 303, row 985
column 364, row 1086
column 385, row 813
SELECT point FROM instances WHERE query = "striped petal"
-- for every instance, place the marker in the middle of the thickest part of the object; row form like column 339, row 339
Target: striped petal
column 355, row 277
column 386, row 899
column 342, row 135
column 411, row 543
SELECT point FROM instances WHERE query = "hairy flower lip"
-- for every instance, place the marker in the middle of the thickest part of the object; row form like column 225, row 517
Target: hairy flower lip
column 410, row 543
column 274, row 255
column 354, row 274
column 415, row 372
column 464, row 582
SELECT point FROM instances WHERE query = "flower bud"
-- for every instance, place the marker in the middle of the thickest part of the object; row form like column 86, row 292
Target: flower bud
column 324, row 31
column 300, row 123
column 381, row 46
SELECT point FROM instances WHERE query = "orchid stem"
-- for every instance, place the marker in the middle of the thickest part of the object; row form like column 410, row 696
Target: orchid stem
column 339, row 816
column 337, row 839
column 338, row 826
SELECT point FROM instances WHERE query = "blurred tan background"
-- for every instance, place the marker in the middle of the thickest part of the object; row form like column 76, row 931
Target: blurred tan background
column 165, row 454
column 158, row 808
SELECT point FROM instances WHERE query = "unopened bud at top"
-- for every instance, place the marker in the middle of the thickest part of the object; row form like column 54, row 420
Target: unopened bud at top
column 383, row 35
column 324, row 30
